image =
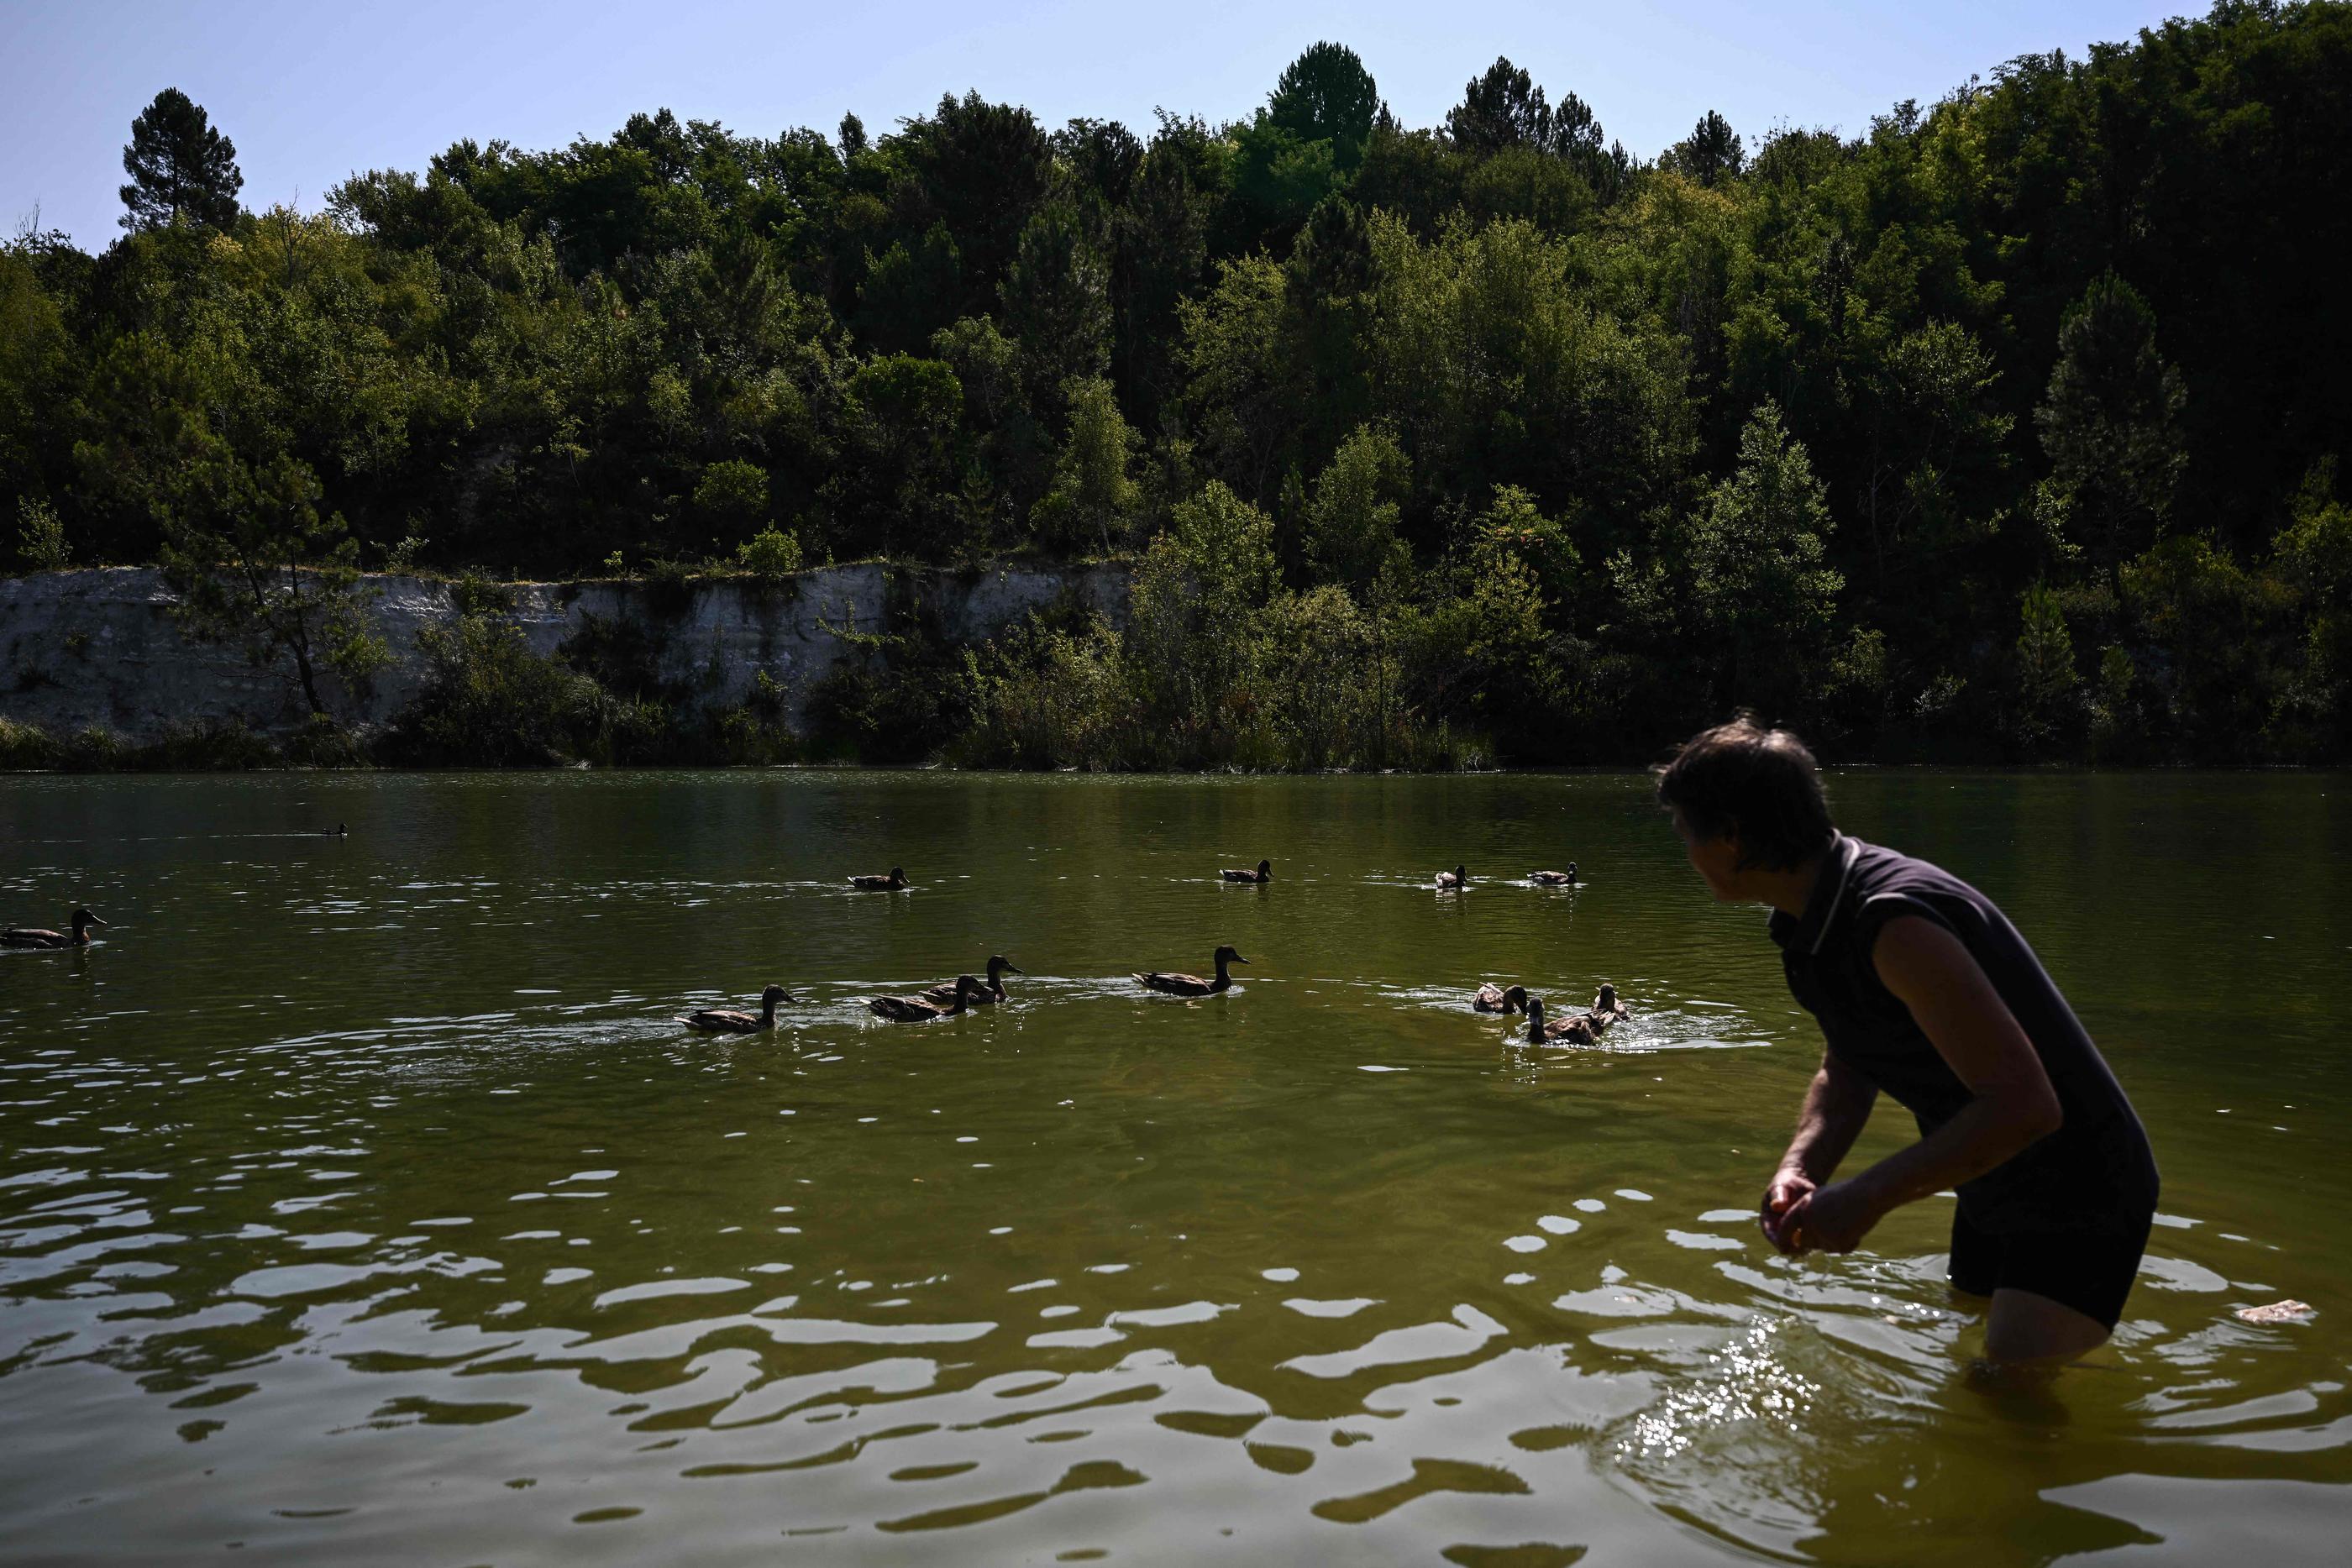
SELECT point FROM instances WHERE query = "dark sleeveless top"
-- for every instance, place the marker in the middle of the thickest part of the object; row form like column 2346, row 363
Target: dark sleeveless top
column 2097, row 1172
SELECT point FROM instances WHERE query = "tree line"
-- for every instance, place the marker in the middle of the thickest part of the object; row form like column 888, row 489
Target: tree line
column 2006, row 429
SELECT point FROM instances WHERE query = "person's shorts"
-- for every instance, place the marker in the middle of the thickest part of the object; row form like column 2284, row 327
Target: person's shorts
column 2089, row 1270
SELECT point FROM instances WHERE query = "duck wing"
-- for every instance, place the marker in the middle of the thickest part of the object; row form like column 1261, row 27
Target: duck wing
column 1490, row 999
column 945, row 996
column 31, row 936
column 1176, row 985
column 904, row 1009
column 720, row 1020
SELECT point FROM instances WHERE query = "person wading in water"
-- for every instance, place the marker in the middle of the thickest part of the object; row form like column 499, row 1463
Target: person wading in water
column 1924, row 991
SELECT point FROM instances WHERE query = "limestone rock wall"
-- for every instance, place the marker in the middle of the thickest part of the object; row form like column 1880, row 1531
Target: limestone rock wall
column 101, row 646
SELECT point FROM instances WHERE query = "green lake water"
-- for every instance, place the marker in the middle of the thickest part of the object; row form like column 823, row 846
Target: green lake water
column 360, row 1202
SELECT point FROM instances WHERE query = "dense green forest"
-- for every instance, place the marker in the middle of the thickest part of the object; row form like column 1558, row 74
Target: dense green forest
column 2006, row 430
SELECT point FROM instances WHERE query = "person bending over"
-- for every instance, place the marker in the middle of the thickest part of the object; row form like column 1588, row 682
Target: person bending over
column 1924, row 991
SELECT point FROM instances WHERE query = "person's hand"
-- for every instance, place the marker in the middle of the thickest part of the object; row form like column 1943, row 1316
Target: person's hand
column 1788, row 1190
column 1833, row 1218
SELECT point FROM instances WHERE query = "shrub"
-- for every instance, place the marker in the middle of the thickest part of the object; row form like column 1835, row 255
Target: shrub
column 769, row 555
column 27, row 747
column 40, row 536
column 489, row 701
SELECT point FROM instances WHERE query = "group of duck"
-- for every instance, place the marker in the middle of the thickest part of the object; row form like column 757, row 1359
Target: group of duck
column 950, row 998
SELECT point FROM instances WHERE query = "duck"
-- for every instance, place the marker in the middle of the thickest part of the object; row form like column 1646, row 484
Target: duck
column 80, row 921
column 1452, row 881
column 891, row 883
column 1554, row 878
column 1606, row 1008
column 723, row 1020
column 990, row 994
column 1192, row 985
column 1493, row 999
column 1574, row 1029
column 1265, row 872
column 922, row 1010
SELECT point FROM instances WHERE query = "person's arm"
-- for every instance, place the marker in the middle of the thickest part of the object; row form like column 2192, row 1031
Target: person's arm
column 1837, row 1107
column 2011, row 1105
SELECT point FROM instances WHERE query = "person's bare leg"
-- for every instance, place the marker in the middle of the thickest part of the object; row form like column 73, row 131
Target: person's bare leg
column 2029, row 1330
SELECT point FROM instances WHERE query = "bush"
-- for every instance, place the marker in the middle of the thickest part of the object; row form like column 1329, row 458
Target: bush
column 732, row 492
column 40, row 537
column 769, row 555
column 489, row 702
column 27, row 747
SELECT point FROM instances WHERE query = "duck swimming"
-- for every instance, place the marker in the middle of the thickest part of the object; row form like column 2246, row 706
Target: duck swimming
column 1452, row 881
column 34, row 937
column 891, row 883
column 1606, row 1008
column 989, row 995
column 723, row 1020
column 1265, row 872
column 1574, row 1029
column 922, row 1010
column 1554, row 878
column 1493, row 999
column 1192, row 985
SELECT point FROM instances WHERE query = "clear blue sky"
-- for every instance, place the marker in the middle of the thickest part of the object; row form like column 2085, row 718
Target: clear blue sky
column 310, row 91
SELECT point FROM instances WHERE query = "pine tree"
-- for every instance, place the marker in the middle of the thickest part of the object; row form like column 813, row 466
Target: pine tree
column 180, row 167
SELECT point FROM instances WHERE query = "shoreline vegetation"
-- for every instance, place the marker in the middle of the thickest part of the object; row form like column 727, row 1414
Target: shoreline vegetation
column 2007, row 430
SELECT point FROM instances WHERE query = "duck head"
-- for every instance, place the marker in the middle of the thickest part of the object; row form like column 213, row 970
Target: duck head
column 898, row 876
column 83, row 920
column 998, row 965
column 1515, row 1001
column 1462, row 876
column 1227, row 955
column 774, row 994
column 1535, row 1020
column 1266, row 870
column 1607, row 998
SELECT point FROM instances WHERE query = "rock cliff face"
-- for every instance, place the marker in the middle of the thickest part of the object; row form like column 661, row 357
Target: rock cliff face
column 100, row 647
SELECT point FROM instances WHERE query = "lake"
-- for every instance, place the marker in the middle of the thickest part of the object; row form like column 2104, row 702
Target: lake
column 360, row 1202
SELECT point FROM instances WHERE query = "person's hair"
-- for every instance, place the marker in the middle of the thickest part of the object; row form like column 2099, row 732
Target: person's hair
column 1756, row 784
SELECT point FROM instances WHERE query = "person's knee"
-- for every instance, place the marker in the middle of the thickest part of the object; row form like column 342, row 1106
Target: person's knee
column 2026, row 1328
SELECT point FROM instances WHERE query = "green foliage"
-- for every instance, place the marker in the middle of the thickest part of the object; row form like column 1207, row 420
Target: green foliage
column 1352, row 524
column 490, row 702
column 256, row 567
column 180, row 167
column 2046, row 681
column 1092, row 492
column 2111, row 422
column 40, row 536
column 732, row 493
column 769, row 555
column 970, row 333
column 1759, row 577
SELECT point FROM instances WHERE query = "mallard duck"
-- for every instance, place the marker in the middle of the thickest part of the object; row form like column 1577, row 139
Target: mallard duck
column 989, row 995
column 922, row 1010
column 1452, row 881
column 33, row 936
column 1265, row 872
column 1493, row 999
column 723, row 1020
column 1574, row 1029
column 1554, row 878
column 1606, row 1008
column 1192, row 985
column 891, row 883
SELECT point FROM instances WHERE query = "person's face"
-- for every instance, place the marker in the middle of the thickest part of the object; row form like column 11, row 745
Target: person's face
column 1717, row 861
